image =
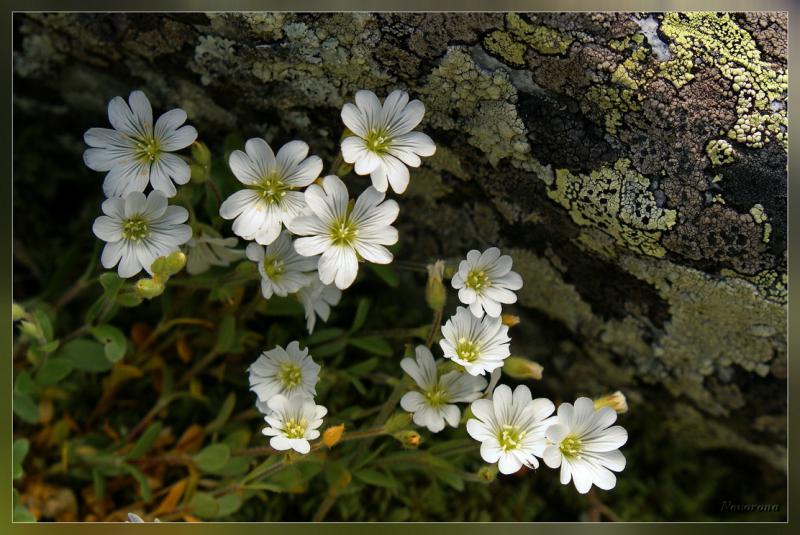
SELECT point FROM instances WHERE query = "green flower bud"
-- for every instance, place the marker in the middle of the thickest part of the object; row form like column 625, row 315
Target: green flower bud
column 31, row 329
column 397, row 422
column 175, row 262
column 409, row 439
column 521, row 368
column 201, row 154
column 149, row 288
column 435, row 292
column 199, row 173
column 487, row 473
column 17, row 312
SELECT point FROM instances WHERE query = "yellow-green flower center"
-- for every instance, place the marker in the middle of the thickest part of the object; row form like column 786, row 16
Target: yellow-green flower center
column 467, row 350
column 290, row 375
column 135, row 228
column 571, row 446
column 147, row 149
column 272, row 189
column 510, row 437
column 477, row 279
column 273, row 267
column 437, row 396
column 378, row 142
column 343, row 232
column 295, row 428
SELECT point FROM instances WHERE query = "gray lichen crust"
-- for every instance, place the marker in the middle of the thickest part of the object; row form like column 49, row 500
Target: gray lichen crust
column 633, row 164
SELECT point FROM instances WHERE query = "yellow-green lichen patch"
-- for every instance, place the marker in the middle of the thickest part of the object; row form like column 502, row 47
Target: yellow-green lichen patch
column 459, row 95
column 715, row 39
column 770, row 284
column 760, row 217
column 616, row 200
column 719, row 151
column 512, row 44
column 715, row 323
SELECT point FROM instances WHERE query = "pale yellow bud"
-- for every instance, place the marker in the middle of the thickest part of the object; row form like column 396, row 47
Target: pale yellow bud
column 521, row 368
column 616, row 401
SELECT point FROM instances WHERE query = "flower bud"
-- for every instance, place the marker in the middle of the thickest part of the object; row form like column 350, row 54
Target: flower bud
column 409, row 439
column 344, row 169
column 435, row 292
column 199, row 173
column 397, row 422
column 509, row 320
column 616, row 401
column 149, row 288
column 200, row 153
column 184, row 350
column 488, row 473
column 521, row 368
column 332, row 435
column 17, row 312
column 174, row 263
column 32, row 329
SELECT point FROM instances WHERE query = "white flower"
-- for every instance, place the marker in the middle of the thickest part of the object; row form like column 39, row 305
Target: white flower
column 269, row 199
column 485, row 280
column 480, row 345
column 293, row 421
column 283, row 271
column 284, row 371
column 511, row 427
column 136, row 152
column 584, row 446
column 434, row 403
column 317, row 299
column 341, row 234
column 384, row 142
column 138, row 230
column 208, row 249
column 136, row 519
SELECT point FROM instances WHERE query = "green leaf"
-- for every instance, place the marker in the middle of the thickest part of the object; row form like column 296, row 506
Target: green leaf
column 375, row 478
column 43, row 321
column 361, row 315
column 386, row 273
column 223, row 415
column 226, row 333
column 372, row 344
column 85, row 355
column 26, row 408
column 141, row 479
column 261, row 468
column 331, row 348
column 235, row 466
column 228, row 504
column 54, row 370
column 21, row 514
column 99, row 484
column 129, row 300
column 363, row 368
column 114, row 342
column 20, row 450
column 145, row 442
column 212, row 457
column 323, row 335
column 111, row 283
column 204, row 505
column 49, row 347
column 451, row 479
column 23, row 384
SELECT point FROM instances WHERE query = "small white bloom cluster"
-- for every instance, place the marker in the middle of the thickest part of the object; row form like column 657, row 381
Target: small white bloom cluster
column 137, row 153
column 285, row 379
column 283, row 195
column 514, row 429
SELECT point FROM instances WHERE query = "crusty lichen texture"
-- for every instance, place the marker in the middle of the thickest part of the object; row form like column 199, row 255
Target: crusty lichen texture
column 632, row 163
